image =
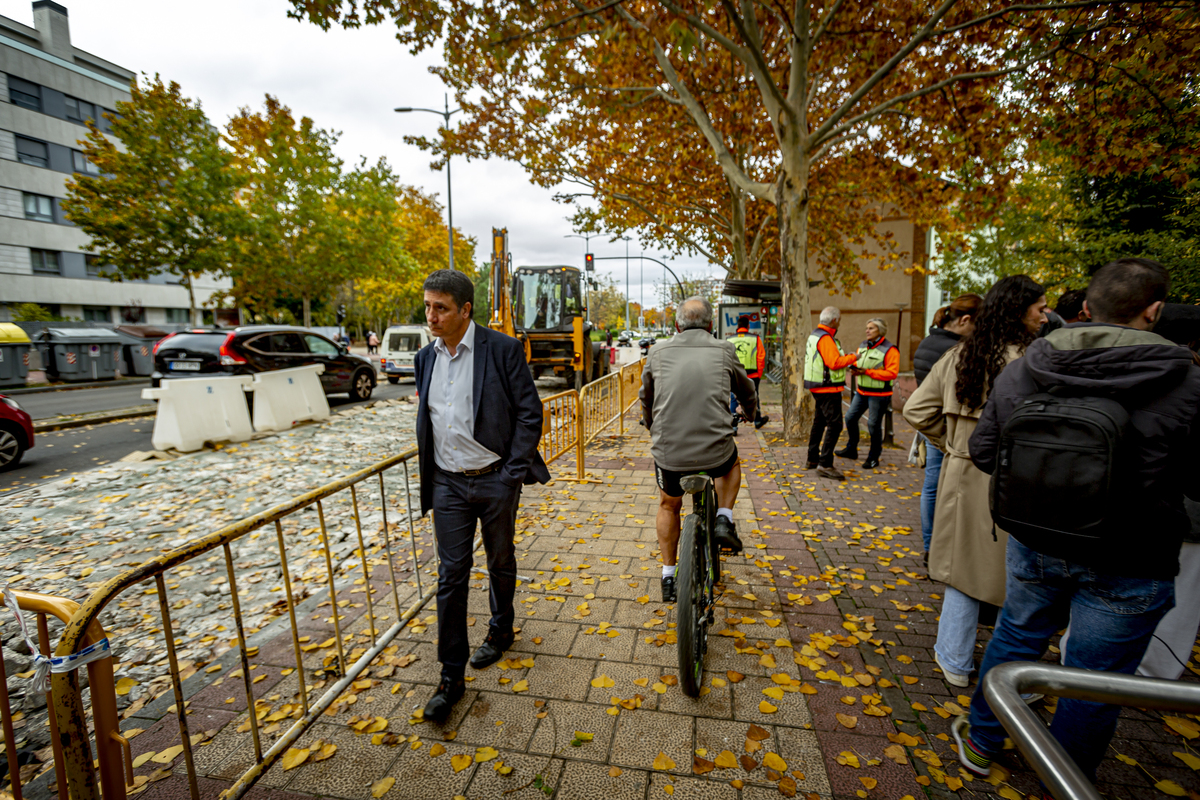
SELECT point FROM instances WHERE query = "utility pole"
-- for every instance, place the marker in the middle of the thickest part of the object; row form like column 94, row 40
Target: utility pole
column 627, row 325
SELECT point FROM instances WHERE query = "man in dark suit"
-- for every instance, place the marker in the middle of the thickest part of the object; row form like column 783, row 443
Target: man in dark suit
column 477, row 449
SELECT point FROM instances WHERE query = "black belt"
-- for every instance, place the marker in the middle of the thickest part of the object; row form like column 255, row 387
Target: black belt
column 471, row 473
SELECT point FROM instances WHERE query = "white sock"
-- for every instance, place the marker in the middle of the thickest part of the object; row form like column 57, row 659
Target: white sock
column 726, row 513
column 668, row 572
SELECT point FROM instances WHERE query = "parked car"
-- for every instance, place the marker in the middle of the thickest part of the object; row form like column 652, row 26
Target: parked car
column 16, row 433
column 400, row 344
column 261, row 348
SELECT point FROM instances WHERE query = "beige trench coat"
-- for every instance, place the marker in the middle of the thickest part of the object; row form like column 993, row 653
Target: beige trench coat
column 967, row 550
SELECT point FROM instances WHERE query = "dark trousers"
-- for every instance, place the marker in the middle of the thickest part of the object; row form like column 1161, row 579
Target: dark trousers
column 459, row 502
column 828, row 421
column 733, row 401
column 859, row 406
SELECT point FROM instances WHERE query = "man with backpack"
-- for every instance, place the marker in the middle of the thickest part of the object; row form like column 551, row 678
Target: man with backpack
column 1090, row 439
column 753, row 358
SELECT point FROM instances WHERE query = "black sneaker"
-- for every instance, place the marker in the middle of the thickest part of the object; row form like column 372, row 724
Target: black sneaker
column 668, row 589
column 871, row 463
column 758, row 423
column 726, row 535
column 449, row 692
column 846, row 452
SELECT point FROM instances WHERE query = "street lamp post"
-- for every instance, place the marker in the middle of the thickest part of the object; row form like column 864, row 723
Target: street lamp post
column 449, row 198
column 628, row 327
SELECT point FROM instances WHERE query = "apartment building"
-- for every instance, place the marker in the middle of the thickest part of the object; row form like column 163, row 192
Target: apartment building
column 48, row 90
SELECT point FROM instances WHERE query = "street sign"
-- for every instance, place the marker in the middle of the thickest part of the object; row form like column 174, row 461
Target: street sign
column 94, row 350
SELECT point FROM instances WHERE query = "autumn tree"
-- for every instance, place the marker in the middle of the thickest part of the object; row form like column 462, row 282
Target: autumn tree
column 164, row 200
column 909, row 102
column 298, row 232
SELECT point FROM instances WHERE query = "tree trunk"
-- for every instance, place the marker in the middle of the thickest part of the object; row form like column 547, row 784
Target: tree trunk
column 737, row 218
column 307, row 312
column 791, row 198
column 191, row 279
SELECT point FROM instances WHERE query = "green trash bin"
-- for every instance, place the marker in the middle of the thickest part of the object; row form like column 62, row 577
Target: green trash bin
column 137, row 348
column 14, row 355
column 81, row 354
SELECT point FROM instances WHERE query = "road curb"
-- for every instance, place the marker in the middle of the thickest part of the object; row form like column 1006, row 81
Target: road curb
column 44, row 426
column 73, row 386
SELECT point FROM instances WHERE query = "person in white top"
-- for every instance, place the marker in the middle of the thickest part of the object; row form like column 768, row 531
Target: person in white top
column 477, row 449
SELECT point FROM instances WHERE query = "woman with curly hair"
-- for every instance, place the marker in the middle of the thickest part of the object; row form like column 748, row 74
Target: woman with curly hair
column 966, row 550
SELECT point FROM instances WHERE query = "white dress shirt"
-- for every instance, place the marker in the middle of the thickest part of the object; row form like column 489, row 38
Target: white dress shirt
column 451, row 407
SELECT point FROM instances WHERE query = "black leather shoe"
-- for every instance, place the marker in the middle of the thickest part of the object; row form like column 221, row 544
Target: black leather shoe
column 726, row 535
column 492, row 650
column 449, row 692
column 846, row 452
column 758, row 423
column 668, row 589
column 870, row 463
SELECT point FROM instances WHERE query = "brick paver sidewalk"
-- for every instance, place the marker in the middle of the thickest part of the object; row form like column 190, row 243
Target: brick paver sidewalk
column 820, row 681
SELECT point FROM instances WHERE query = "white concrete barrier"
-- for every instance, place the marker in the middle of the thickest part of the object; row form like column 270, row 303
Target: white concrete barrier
column 284, row 397
column 192, row 411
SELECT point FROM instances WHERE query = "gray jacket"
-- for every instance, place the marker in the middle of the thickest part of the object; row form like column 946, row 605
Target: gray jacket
column 685, row 400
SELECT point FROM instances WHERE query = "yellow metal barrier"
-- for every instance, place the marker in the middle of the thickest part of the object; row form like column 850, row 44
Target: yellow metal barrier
column 109, row 741
column 600, row 403
column 631, row 382
column 562, row 428
column 68, row 708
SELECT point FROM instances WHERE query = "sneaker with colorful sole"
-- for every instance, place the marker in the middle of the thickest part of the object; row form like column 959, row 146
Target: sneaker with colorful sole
column 968, row 755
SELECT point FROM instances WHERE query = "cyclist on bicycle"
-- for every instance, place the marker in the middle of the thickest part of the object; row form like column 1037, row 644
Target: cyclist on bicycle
column 685, row 406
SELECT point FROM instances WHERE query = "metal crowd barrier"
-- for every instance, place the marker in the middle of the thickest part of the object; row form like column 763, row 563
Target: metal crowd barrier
column 69, row 712
column 569, row 421
column 104, row 704
column 1004, row 684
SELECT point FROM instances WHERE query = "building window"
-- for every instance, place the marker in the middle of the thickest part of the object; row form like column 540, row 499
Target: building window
column 97, row 314
column 93, row 265
column 177, row 315
column 32, row 152
column 80, row 110
column 45, row 262
column 81, row 164
column 24, row 94
column 39, row 207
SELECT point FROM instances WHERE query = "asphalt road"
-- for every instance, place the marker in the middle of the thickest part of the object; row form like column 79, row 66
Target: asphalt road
column 60, row 453
column 44, row 405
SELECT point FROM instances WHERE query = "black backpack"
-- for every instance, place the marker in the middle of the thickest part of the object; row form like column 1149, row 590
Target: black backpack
column 1057, row 485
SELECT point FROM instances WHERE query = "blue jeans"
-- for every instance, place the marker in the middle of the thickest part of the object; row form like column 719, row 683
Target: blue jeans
column 1112, row 621
column 933, row 469
column 957, row 631
column 859, row 406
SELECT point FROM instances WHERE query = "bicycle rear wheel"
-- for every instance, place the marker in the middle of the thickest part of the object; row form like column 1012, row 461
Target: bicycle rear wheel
column 690, row 623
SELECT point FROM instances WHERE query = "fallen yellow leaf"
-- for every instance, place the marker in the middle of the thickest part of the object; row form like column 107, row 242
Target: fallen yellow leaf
column 460, row 762
column 846, row 720
column 726, row 760
column 124, row 685
column 485, row 753
column 663, row 761
column 1189, row 759
column 436, row 750
column 603, row 682
column 775, row 762
column 521, row 686
column 381, row 786
column 870, row 783
column 294, row 757
column 1171, row 787
column 766, row 707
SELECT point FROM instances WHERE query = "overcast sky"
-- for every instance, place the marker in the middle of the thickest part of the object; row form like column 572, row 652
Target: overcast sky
column 229, row 53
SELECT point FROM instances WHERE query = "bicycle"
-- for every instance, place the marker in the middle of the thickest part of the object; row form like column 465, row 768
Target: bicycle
column 697, row 575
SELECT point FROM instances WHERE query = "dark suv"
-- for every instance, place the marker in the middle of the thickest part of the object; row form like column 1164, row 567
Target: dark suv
column 261, row 348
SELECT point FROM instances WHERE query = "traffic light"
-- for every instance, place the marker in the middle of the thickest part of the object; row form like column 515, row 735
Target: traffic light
column 589, row 262
column 341, row 314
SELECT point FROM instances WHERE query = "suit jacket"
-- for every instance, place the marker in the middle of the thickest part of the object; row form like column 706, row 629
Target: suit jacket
column 508, row 416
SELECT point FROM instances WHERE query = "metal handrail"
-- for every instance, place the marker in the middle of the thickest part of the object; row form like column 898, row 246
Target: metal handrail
column 1004, row 684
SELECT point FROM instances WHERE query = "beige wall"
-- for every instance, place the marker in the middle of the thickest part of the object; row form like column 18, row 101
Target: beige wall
column 879, row 299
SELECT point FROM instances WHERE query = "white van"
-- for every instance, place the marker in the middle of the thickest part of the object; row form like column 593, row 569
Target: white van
column 397, row 348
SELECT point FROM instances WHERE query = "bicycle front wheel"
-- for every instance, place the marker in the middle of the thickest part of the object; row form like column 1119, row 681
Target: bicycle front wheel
column 690, row 589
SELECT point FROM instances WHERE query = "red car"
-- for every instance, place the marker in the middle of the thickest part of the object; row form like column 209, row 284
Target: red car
column 16, row 433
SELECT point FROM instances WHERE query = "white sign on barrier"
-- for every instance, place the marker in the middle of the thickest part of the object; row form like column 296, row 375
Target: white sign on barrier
column 192, row 411
column 286, row 396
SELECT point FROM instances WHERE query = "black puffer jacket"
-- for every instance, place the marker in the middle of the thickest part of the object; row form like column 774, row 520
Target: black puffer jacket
column 1159, row 385
column 931, row 348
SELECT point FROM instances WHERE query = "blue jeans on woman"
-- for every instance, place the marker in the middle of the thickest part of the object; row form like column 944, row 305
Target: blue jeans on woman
column 859, row 406
column 933, row 470
column 1112, row 620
